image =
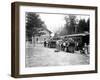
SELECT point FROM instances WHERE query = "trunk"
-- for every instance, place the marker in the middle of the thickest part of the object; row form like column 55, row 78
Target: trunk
column 33, row 41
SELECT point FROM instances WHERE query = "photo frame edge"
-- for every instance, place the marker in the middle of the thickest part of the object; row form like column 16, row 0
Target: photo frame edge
column 15, row 39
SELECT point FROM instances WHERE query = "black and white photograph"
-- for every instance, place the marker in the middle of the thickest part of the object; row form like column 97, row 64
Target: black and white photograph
column 57, row 39
column 52, row 39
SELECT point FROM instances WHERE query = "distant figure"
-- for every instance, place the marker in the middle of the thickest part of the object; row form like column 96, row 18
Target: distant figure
column 85, row 48
column 64, row 45
column 37, row 40
column 80, row 46
column 57, row 44
column 61, row 45
column 45, row 43
column 67, row 44
column 72, row 46
column 76, row 46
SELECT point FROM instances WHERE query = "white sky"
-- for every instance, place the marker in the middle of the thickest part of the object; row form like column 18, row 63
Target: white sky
column 56, row 21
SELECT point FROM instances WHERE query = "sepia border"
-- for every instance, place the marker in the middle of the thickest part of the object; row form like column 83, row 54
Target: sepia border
column 15, row 32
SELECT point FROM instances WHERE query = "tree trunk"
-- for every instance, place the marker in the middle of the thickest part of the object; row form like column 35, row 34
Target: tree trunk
column 33, row 41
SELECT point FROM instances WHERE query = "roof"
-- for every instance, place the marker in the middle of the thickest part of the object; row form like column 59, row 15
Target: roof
column 47, row 30
column 80, row 34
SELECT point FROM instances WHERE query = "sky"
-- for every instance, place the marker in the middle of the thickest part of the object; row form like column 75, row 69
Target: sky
column 56, row 21
column 53, row 21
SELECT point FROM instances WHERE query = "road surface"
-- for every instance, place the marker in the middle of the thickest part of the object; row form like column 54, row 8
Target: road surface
column 38, row 56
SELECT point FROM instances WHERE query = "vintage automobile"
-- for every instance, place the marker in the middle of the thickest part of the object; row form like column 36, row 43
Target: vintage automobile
column 52, row 43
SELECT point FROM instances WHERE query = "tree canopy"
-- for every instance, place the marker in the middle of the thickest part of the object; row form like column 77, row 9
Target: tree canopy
column 34, row 25
column 83, row 26
column 74, row 25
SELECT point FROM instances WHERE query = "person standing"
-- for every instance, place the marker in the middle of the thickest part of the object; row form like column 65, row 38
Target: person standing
column 57, row 45
column 64, row 45
column 85, row 48
column 45, row 43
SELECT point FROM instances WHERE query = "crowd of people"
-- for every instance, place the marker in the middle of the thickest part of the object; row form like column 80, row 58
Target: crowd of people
column 69, row 46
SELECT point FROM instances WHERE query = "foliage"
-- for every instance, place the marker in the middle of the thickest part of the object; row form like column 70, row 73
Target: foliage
column 70, row 25
column 34, row 25
column 83, row 26
column 74, row 26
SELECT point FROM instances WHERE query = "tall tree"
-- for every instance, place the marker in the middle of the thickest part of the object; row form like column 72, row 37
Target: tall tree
column 34, row 25
column 70, row 25
column 87, row 25
column 83, row 25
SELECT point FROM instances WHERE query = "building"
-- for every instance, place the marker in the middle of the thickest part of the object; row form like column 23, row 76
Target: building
column 40, row 39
